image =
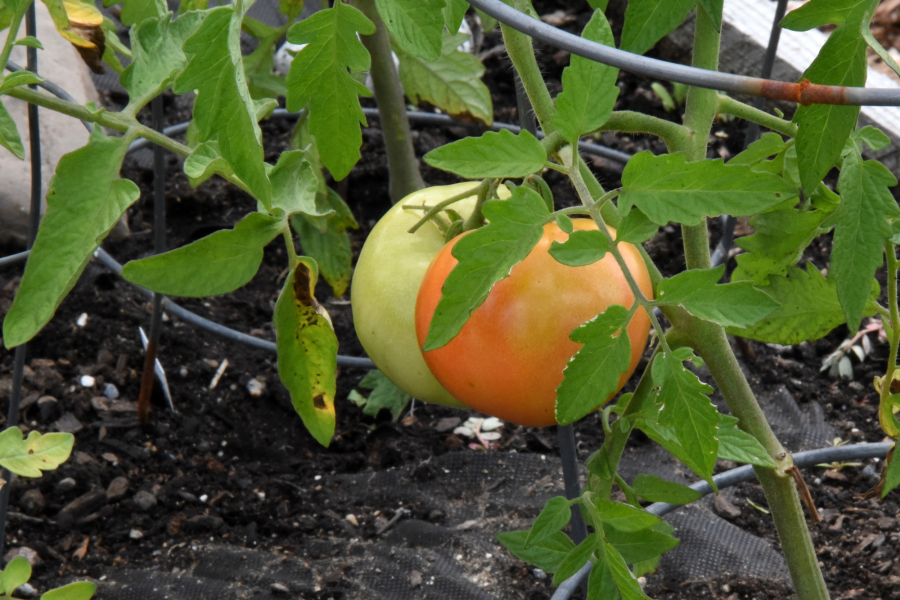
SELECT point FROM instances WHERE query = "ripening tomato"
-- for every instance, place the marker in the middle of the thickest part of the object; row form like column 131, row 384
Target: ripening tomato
column 508, row 359
column 385, row 283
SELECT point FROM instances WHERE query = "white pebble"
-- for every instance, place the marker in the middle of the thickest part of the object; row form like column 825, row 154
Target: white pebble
column 136, row 534
column 110, row 391
column 256, row 387
column 203, row 498
column 82, row 320
column 351, row 518
column 539, row 573
column 87, row 381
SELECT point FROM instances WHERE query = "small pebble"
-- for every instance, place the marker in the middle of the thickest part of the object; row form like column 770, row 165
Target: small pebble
column 111, row 391
column 280, row 588
column 82, row 320
column 539, row 573
column 351, row 518
column 136, row 534
column 25, row 591
column 32, row 502
column 144, row 500
column 87, row 381
column 25, row 552
column 117, row 489
column 256, row 387
column 66, row 485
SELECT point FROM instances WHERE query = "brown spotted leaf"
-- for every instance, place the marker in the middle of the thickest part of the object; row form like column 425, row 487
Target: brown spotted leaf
column 307, row 351
column 81, row 24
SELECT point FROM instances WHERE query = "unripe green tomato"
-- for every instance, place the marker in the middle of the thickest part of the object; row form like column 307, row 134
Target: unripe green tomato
column 386, row 282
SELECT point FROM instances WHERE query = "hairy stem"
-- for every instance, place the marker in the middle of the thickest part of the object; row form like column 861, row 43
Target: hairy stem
column 403, row 165
column 626, row 121
column 730, row 106
column 11, row 36
column 521, row 53
column 885, row 409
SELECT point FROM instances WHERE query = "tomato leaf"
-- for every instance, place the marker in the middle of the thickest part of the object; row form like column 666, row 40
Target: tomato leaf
column 624, row 517
column 589, row 88
column 737, row 304
column 875, row 138
column 654, row 489
column 485, row 257
column 687, row 408
column 307, row 352
column 624, row 578
column 331, row 248
column 384, row 395
column 768, row 144
column 823, row 128
column 17, row 79
column 809, row 308
column 648, row 21
column 779, row 241
column 601, row 585
column 546, row 555
column 17, row 572
column 666, row 188
column 494, row 154
column 452, row 82
column 891, row 473
column 593, row 374
column 84, row 202
column 157, row 57
column 635, row 546
column 415, row 25
column 739, row 446
column 554, row 516
column 294, row 184
column 454, row 13
column 577, row 558
column 821, row 12
column 636, row 228
column 9, row 134
column 224, row 110
column 31, row 456
column 861, row 228
column 214, row 265
column 582, row 248
column 78, row 590
column 333, row 48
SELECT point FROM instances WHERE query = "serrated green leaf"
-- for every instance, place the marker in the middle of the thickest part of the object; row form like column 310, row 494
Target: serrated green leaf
column 648, row 21
column 654, row 489
column 554, row 516
column 452, row 82
column 809, row 309
column 583, row 247
column 494, row 154
column 545, row 555
column 157, row 57
column 78, row 590
column 454, row 13
column 84, row 202
column 737, row 304
column 415, row 25
column 214, row 265
column 624, row 517
column 9, row 134
column 666, row 188
column 589, row 87
column 779, row 241
column 594, row 373
column 577, row 558
column 891, row 473
column 861, row 228
column 688, row 410
column 16, row 573
column 326, row 240
column 136, row 11
column 294, row 184
column 319, row 78
column 822, row 129
column 768, row 144
column 31, row 456
column 601, row 585
column 821, row 12
column 875, row 138
column 624, row 578
column 739, row 446
column 204, row 162
column 641, row 545
column 224, row 110
column 384, row 395
column 307, row 352
column 636, row 228
column 486, row 256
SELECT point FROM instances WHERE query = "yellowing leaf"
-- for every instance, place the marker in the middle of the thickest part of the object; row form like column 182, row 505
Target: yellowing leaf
column 81, row 24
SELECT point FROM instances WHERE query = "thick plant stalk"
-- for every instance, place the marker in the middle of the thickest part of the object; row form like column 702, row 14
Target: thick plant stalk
column 402, row 163
column 710, row 341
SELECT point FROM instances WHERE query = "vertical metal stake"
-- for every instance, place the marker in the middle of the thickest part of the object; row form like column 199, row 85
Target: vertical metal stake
column 34, row 134
column 569, row 455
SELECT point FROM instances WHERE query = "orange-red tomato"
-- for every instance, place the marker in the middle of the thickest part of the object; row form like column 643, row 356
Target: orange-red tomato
column 508, row 359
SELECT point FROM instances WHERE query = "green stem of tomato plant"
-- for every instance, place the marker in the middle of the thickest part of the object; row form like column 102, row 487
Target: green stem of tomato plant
column 437, row 208
column 885, row 409
column 289, row 245
column 710, row 341
column 14, row 26
column 476, row 219
column 730, row 106
column 626, row 121
column 403, row 166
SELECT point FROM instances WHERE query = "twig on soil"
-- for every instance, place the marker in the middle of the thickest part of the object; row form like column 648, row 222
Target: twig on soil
column 29, row 519
column 397, row 516
column 218, row 375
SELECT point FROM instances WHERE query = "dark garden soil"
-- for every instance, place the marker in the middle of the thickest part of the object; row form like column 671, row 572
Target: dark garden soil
column 236, row 467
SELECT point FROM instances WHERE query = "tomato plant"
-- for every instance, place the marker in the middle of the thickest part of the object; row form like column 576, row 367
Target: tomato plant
column 508, row 359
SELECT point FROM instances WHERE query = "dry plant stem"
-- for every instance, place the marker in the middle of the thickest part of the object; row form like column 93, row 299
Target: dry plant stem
column 402, row 163
column 711, row 343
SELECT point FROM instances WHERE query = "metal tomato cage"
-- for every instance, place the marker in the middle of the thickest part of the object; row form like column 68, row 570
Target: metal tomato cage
column 536, row 29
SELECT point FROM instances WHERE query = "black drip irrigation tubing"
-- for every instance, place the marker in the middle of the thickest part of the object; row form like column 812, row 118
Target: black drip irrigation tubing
column 659, row 69
column 740, row 475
